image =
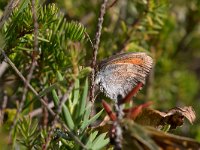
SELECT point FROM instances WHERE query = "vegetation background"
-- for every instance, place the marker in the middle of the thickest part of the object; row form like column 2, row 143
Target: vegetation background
column 168, row 30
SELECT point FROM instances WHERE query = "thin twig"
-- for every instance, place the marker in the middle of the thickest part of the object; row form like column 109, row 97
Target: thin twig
column 59, row 109
column 3, row 67
column 24, row 80
column 64, row 98
column 76, row 139
column 88, row 37
column 112, row 4
column 4, row 104
column 45, row 114
column 29, row 76
column 36, row 52
column 38, row 111
column 96, row 46
column 8, row 10
column 35, row 21
column 118, row 134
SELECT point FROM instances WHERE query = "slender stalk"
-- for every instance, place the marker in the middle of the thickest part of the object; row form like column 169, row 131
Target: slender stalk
column 96, row 46
column 8, row 11
column 4, row 104
column 3, row 68
column 38, row 111
column 112, row 4
column 118, row 134
column 24, row 80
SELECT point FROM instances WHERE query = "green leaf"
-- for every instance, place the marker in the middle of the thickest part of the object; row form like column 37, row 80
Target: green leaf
column 76, row 93
column 87, row 112
column 84, row 98
column 100, row 142
column 82, row 103
column 59, row 76
column 84, row 72
column 86, row 116
column 23, row 5
column 66, row 116
column 91, row 139
column 124, row 26
column 48, row 90
column 75, row 31
column 55, row 98
column 43, row 39
column 94, row 118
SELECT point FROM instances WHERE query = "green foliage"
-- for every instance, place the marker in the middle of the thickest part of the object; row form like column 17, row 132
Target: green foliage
column 55, row 34
column 76, row 115
column 30, row 135
column 95, row 142
column 9, row 116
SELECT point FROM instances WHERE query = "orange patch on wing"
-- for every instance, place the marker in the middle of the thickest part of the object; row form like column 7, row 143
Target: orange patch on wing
column 135, row 61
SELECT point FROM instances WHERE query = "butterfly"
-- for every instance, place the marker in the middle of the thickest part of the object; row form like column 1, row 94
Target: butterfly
column 119, row 74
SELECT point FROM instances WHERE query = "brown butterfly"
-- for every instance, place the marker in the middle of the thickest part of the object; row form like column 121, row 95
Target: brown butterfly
column 118, row 75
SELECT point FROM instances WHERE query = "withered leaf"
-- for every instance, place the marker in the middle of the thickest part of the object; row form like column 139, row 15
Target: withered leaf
column 148, row 138
column 174, row 117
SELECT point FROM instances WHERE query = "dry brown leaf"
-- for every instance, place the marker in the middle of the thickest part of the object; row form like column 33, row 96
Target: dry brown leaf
column 187, row 112
column 148, row 138
column 174, row 117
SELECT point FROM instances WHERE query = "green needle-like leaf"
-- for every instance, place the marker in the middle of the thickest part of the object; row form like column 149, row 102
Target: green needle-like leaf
column 65, row 112
column 94, row 118
column 100, row 142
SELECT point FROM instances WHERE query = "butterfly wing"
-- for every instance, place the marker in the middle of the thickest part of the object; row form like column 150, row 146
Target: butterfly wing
column 119, row 74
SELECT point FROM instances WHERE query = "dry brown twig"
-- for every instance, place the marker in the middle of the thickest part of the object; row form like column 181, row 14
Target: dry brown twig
column 8, row 10
column 24, row 80
column 112, row 4
column 38, row 111
column 4, row 104
column 95, row 49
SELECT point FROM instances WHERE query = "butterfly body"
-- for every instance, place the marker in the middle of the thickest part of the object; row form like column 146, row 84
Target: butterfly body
column 118, row 75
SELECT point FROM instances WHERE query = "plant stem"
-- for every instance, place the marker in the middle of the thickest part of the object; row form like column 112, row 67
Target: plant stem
column 95, row 49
